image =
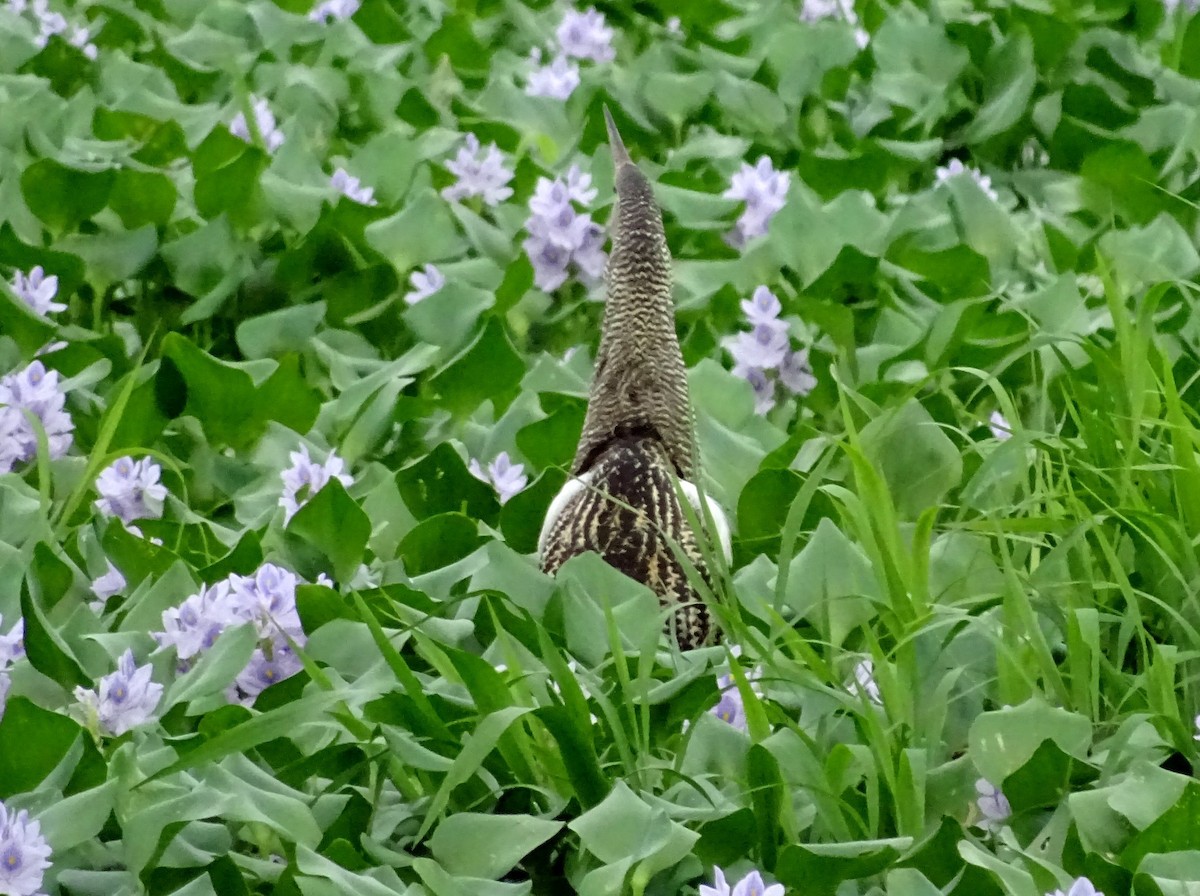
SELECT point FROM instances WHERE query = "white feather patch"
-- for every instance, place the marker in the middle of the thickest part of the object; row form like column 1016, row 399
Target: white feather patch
column 570, row 489
column 720, row 521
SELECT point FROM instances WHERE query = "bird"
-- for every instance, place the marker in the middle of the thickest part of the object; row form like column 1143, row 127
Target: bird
column 638, row 439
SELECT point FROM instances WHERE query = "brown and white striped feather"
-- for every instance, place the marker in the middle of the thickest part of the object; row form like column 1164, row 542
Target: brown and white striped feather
column 629, row 513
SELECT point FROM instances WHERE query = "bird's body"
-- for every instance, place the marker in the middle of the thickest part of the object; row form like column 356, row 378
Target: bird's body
column 638, row 437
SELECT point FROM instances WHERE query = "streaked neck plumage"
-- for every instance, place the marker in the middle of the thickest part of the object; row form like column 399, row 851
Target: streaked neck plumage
column 640, row 385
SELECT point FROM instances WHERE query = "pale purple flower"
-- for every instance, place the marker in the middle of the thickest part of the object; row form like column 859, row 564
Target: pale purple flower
column 1196, row 721
column 764, row 190
column 194, row 625
column 37, row 291
column 486, row 176
column 267, row 599
column 1081, row 886
column 816, row 10
column 333, row 10
column 763, row 308
column 550, row 262
column 351, row 187
column 24, row 853
column 559, row 235
column 130, row 490
column 1000, row 427
column 49, row 23
column 731, row 707
column 12, row 645
column 763, row 386
column 505, row 476
column 266, row 667
column 557, row 79
column 750, row 885
column 956, row 168
column 304, row 478
column 81, row 38
column 126, row 698
column 12, row 438
column 36, row 390
column 763, row 348
column 5, row 685
column 264, row 120
column 425, row 283
column 864, row 682
column 796, row 373
column 579, row 186
column 674, row 26
column 584, row 35
column 108, row 585
column 993, row 805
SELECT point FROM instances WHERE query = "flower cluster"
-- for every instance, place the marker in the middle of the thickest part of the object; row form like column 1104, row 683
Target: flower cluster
column 556, row 79
column 765, row 350
column 1081, row 886
column 333, row 10
column 130, row 490
column 37, row 391
column 816, row 10
column 264, row 121
column 764, row 190
column 993, row 805
column 37, row 291
column 750, row 885
column 580, row 35
column 425, row 283
column 123, row 700
column 50, row 23
column 305, row 477
column 24, row 853
column 956, row 168
column 12, row 647
column 505, row 476
column 351, row 187
column 560, row 236
column 111, row 583
column 483, row 176
column 267, row 600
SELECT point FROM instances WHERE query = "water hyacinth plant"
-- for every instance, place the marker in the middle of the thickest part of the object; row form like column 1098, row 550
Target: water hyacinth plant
column 299, row 323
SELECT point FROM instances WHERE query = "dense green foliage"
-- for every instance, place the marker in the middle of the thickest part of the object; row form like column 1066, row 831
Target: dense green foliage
column 462, row 724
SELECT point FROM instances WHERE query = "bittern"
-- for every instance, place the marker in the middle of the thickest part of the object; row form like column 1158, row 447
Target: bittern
column 638, row 437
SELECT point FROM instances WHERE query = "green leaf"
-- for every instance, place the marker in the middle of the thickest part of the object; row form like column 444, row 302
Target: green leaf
column 33, row 741
column 918, row 460
column 421, row 232
column 438, row 541
column 625, row 827
column 820, row 869
column 1004, row 740
column 46, row 650
column 441, row 483
column 65, row 197
column 51, row 574
column 142, row 197
column 113, row 256
column 1009, row 76
column 334, row 524
column 488, row 846
column 488, row 368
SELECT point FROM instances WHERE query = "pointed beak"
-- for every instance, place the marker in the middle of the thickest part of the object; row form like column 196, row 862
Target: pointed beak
column 619, row 153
